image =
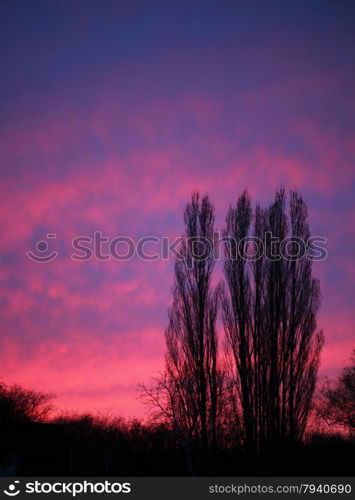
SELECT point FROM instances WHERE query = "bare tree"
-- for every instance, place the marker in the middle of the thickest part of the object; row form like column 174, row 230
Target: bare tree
column 269, row 307
column 336, row 404
column 189, row 392
column 22, row 405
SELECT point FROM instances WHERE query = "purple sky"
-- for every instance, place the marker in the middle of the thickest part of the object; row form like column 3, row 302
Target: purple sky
column 111, row 114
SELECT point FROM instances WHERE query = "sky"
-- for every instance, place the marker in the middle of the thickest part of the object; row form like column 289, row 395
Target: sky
column 112, row 113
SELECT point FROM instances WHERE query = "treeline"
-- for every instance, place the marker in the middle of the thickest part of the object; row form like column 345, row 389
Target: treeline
column 34, row 443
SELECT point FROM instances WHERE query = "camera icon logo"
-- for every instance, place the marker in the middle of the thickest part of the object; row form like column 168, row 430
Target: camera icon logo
column 42, row 249
column 13, row 490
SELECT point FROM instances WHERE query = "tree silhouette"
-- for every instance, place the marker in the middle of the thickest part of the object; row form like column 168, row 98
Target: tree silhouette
column 337, row 399
column 189, row 392
column 269, row 312
column 18, row 405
